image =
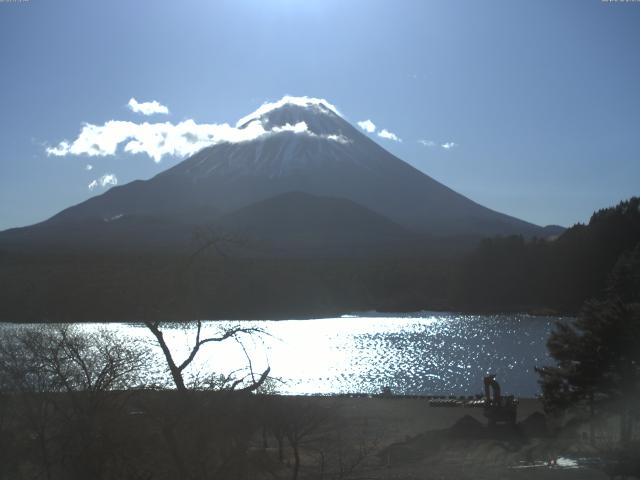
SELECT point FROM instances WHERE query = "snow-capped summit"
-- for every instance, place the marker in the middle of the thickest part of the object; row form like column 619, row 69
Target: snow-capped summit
column 318, row 119
column 301, row 115
column 288, row 102
column 301, row 134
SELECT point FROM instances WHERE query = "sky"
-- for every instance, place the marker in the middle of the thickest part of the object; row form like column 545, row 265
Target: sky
column 531, row 108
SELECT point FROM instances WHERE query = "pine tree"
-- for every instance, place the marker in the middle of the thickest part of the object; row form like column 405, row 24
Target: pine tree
column 598, row 355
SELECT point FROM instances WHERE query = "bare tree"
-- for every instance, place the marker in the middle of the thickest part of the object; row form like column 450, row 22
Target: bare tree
column 63, row 384
column 177, row 368
column 209, row 240
column 193, row 445
column 297, row 421
column 302, row 423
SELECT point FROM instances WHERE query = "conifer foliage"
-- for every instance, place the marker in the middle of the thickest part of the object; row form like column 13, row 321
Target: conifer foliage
column 598, row 355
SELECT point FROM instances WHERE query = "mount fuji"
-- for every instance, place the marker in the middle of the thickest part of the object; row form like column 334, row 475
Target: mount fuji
column 298, row 174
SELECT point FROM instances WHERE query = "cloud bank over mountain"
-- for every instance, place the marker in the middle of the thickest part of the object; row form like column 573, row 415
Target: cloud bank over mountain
column 308, row 102
column 184, row 138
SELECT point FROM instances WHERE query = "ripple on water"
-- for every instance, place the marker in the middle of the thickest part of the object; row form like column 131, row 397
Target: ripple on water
column 441, row 354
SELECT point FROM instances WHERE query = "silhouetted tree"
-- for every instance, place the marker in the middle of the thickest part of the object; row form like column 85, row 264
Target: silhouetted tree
column 598, row 355
column 208, row 240
column 177, row 368
column 66, row 390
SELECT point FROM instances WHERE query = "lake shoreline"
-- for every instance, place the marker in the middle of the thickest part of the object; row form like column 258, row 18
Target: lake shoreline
column 541, row 313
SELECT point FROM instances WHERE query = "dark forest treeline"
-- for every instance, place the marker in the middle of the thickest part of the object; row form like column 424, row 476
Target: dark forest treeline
column 501, row 274
column 513, row 274
column 67, row 288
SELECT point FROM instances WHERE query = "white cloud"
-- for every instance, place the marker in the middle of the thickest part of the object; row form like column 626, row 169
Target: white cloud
column 147, row 108
column 337, row 138
column 59, row 151
column 384, row 133
column 104, row 181
column 185, row 138
column 367, row 125
column 89, row 167
column 160, row 139
column 319, row 103
column 431, row 143
column 300, row 127
column 108, row 179
column 370, row 127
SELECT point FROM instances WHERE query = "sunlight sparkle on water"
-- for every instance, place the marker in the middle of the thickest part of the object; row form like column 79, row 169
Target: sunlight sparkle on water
column 429, row 353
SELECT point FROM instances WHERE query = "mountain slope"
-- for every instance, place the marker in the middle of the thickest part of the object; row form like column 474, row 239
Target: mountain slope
column 297, row 223
column 307, row 148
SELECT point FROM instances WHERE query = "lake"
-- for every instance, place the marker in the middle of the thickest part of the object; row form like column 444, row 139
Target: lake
column 414, row 354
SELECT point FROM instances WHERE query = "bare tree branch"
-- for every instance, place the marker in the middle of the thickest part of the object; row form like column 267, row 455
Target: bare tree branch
column 176, row 369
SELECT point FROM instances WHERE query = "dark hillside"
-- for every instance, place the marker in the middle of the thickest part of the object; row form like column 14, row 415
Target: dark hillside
column 513, row 274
